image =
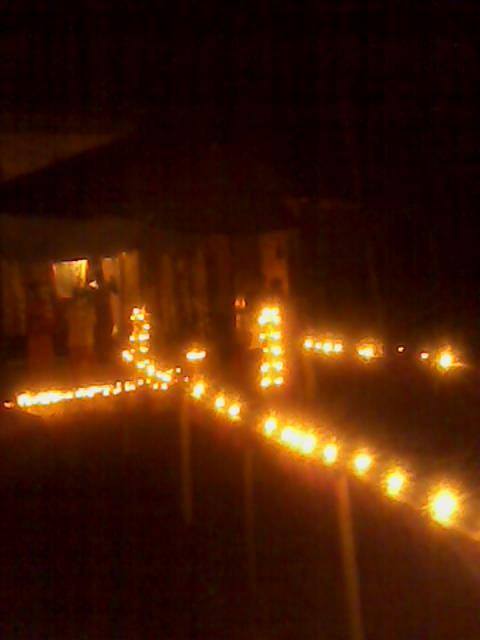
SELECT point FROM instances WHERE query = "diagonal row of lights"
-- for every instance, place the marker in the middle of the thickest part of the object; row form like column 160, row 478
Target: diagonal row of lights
column 444, row 359
column 443, row 503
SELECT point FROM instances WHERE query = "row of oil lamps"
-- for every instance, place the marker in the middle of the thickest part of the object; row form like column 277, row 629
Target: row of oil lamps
column 444, row 503
column 444, row 358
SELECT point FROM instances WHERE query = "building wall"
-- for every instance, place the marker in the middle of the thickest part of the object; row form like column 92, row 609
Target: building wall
column 198, row 279
column 275, row 257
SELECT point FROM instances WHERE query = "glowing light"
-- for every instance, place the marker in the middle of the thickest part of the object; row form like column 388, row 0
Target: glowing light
column 362, row 462
column 234, row 410
column 330, row 453
column 150, row 370
column 298, row 440
column 198, row 390
column 240, row 303
column 270, row 336
column 196, row 355
column 401, row 348
column 444, row 505
column 270, row 425
column 327, row 347
column 424, row 355
column 29, row 399
column 395, row 482
column 446, row 359
column 127, row 356
column 368, row 350
column 220, row 402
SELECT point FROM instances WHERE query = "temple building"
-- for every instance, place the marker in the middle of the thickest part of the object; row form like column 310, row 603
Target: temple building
column 188, row 230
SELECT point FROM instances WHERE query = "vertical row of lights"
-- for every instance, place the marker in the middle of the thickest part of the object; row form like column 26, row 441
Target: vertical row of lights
column 270, row 335
column 138, row 353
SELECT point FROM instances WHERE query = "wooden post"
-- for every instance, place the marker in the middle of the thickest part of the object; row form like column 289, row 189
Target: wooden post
column 186, row 461
column 349, row 561
column 310, row 382
column 249, row 519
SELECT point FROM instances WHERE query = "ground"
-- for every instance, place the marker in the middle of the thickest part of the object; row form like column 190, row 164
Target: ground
column 94, row 546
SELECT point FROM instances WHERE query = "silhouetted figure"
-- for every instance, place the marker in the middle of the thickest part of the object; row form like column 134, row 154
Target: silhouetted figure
column 80, row 315
column 39, row 327
column 103, row 332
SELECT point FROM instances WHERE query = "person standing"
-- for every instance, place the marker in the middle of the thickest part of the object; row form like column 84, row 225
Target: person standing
column 80, row 319
column 39, row 316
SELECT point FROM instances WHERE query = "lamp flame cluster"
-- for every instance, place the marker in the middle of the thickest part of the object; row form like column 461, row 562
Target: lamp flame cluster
column 443, row 502
column 223, row 404
column 442, row 359
column 272, row 367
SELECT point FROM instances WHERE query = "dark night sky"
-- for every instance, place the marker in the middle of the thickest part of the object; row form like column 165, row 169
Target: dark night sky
column 372, row 100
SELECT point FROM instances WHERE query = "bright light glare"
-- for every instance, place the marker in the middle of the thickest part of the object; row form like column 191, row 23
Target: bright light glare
column 270, row 425
column 299, row 440
column 445, row 360
column 444, row 506
column 234, row 410
column 308, row 343
column 395, row 482
column 330, row 453
column 366, row 351
column 196, row 355
column 198, row 390
column 362, row 462
column 220, row 402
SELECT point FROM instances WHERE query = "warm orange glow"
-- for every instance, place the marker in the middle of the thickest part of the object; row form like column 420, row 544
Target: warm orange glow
column 270, row 425
column 234, row 410
column 127, row 356
column 401, row 348
column 220, row 402
column 368, row 351
column 446, row 359
column 198, row 390
column 329, row 346
column 424, row 355
column 308, row 344
column 270, row 335
column 240, row 303
column 362, row 462
column 196, row 355
column 444, row 505
column 330, row 453
column 395, row 482
column 299, row 440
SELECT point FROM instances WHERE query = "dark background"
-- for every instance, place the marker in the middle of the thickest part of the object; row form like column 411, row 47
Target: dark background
column 368, row 102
